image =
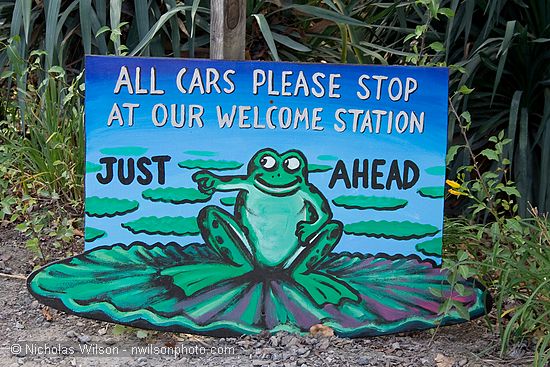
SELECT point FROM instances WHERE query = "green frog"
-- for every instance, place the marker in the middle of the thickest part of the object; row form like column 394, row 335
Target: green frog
column 281, row 223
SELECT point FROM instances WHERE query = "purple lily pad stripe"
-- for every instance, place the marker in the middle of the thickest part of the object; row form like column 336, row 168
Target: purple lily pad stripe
column 156, row 287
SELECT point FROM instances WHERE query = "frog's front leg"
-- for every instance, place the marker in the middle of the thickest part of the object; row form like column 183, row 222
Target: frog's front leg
column 208, row 182
column 220, row 230
column 323, row 288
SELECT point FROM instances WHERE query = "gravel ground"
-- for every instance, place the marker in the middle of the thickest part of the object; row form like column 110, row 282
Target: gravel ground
column 74, row 341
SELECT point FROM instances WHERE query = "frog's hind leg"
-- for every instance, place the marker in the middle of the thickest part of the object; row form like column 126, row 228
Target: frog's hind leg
column 220, row 231
column 321, row 287
column 319, row 248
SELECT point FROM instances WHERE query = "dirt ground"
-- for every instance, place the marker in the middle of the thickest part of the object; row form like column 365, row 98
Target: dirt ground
column 34, row 335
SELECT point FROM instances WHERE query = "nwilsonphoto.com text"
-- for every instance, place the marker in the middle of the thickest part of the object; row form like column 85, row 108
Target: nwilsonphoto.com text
column 61, row 348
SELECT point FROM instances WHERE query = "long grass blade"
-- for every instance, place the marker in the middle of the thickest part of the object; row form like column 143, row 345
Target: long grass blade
column 174, row 29
column 52, row 15
column 16, row 18
column 503, row 54
column 326, row 14
column 268, row 35
column 142, row 20
column 512, row 124
column 544, row 184
column 26, row 10
column 115, row 10
column 290, row 43
column 85, row 9
column 522, row 161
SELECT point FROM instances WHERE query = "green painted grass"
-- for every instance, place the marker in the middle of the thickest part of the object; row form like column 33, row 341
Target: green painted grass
column 209, row 164
column 431, row 247
column 109, row 207
column 124, row 151
column 436, row 171
column 433, row 192
column 176, row 226
column 315, row 168
column 91, row 234
column 230, row 201
column 369, row 202
column 201, row 153
column 390, row 229
column 175, row 195
column 92, row 167
column 326, row 157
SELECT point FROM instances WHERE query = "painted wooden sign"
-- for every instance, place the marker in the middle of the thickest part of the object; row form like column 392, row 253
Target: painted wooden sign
column 235, row 197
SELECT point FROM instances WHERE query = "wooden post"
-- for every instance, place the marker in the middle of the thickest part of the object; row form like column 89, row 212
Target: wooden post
column 227, row 29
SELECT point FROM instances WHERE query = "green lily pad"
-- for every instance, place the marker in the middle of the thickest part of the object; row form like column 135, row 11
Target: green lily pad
column 229, row 201
column 433, row 192
column 315, row 168
column 391, row 229
column 436, row 170
column 92, row 167
column 175, row 226
column 369, row 202
column 192, row 289
column 326, row 157
column 175, row 195
column 431, row 247
column 209, row 164
column 109, row 207
column 201, row 153
column 91, row 234
column 124, row 151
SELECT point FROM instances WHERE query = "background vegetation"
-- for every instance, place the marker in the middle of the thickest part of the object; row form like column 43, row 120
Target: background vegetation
column 498, row 52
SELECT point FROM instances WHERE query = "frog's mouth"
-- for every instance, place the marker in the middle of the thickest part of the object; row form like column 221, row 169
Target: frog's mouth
column 274, row 189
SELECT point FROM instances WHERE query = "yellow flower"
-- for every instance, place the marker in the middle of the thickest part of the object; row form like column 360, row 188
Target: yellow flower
column 457, row 193
column 453, row 184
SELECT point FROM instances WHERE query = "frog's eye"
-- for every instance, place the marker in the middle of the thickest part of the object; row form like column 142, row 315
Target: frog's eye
column 268, row 162
column 291, row 164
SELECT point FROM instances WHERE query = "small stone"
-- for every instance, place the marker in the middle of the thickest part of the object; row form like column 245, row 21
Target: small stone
column 463, row 362
column 20, row 360
column 35, row 304
column 102, row 331
column 259, row 362
column 110, row 341
column 324, row 344
column 274, row 341
column 443, row 361
column 362, row 361
column 19, row 325
column 70, row 334
column 84, row 338
column 79, row 323
column 395, row 345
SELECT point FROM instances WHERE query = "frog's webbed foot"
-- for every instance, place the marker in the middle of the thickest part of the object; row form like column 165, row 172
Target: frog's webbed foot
column 322, row 288
column 221, row 232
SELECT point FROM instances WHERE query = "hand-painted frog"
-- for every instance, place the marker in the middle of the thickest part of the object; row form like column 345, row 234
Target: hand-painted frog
column 279, row 215
column 281, row 221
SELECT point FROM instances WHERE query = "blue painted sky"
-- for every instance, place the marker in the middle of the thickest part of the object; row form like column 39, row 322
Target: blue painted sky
column 426, row 150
